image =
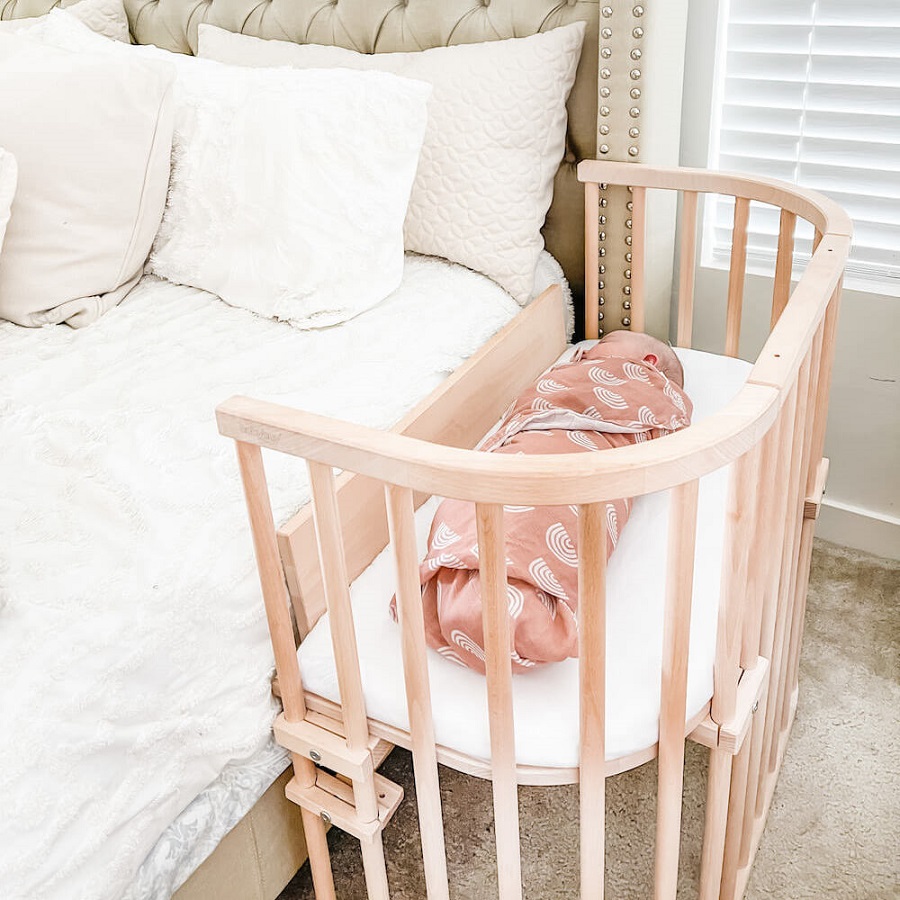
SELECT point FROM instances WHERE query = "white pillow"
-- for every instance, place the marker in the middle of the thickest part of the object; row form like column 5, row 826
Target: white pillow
column 496, row 135
column 106, row 17
column 8, row 174
column 92, row 141
column 289, row 189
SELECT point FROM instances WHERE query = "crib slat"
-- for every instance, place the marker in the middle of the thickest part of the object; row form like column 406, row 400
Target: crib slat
column 761, row 552
column 742, row 490
column 754, row 780
column 638, row 256
column 592, row 695
column 797, row 592
column 793, row 444
column 736, row 274
column 337, row 592
column 759, row 636
column 784, row 264
column 792, row 539
column 686, row 268
column 820, row 414
column 374, row 869
column 718, row 786
column 401, row 522
column 736, row 802
column 498, row 668
column 676, row 638
column 772, row 613
column 591, row 259
column 825, row 367
column 319, row 857
column 276, row 601
column 343, row 634
column 271, row 577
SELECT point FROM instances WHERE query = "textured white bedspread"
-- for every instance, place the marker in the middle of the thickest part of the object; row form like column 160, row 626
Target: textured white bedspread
column 134, row 655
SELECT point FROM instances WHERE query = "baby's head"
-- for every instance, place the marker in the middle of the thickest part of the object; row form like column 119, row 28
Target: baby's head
column 639, row 346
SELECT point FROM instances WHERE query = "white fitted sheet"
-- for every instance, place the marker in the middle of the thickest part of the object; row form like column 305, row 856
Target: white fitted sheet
column 546, row 699
column 129, row 599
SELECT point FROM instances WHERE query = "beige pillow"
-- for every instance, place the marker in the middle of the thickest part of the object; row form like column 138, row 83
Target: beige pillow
column 496, row 135
column 92, row 138
column 106, row 17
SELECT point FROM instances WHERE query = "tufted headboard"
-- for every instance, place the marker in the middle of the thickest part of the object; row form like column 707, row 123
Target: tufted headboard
column 382, row 26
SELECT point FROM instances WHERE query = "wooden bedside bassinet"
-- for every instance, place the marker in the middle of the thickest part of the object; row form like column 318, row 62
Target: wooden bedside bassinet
column 772, row 436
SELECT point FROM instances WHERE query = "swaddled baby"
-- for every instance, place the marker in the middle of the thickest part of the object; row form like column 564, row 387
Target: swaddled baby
column 626, row 389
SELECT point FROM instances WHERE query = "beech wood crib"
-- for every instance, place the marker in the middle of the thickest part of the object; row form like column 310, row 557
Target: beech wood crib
column 772, row 436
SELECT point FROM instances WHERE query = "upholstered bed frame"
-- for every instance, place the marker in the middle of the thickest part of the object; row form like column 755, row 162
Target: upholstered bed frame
column 260, row 855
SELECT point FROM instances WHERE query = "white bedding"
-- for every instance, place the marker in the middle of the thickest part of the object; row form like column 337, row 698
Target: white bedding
column 134, row 655
column 198, row 829
column 546, row 699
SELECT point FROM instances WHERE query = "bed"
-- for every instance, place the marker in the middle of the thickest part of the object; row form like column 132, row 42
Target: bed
column 131, row 442
column 134, row 483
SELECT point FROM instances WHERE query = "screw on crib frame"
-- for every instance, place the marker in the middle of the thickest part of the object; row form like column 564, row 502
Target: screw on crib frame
column 772, row 434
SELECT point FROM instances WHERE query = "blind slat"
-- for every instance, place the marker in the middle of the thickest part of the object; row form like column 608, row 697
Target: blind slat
column 810, row 93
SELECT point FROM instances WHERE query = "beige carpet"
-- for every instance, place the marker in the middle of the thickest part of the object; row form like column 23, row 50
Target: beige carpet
column 834, row 827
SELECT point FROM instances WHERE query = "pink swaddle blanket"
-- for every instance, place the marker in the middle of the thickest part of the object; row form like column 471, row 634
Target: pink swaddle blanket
column 584, row 406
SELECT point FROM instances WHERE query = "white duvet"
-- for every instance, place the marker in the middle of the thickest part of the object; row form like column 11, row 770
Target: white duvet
column 134, row 655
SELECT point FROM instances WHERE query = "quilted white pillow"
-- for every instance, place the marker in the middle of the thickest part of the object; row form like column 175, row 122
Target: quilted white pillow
column 289, row 188
column 8, row 173
column 106, row 17
column 496, row 135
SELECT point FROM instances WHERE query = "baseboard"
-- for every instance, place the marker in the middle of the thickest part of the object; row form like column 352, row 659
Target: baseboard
column 860, row 528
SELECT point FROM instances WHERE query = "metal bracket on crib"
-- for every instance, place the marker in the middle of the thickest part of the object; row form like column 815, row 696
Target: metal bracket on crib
column 729, row 736
column 813, row 502
column 339, row 772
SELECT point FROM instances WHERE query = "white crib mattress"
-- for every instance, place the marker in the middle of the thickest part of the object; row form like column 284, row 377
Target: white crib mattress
column 546, row 699
column 134, row 654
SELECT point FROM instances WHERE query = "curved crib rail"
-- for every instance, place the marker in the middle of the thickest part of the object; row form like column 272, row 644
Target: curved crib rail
column 772, row 434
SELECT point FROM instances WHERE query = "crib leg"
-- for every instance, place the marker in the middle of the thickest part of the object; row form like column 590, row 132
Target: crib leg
column 375, row 869
column 356, row 799
column 754, row 777
column 793, row 666
column 319, row 857
column 736, row 801
column 716, row 819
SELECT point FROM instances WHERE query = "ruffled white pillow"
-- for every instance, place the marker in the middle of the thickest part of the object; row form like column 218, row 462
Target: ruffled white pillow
column 289, row 188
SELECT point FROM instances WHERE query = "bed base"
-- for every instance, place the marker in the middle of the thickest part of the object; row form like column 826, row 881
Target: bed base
column 772, row 434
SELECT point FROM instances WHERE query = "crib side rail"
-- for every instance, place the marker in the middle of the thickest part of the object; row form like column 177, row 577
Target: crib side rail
column 775, row 488
column 357, row 807
column 557, row 479
column 829, row 220
column 826, row 215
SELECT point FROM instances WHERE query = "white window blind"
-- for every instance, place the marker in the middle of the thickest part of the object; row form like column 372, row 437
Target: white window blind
column 809, row 91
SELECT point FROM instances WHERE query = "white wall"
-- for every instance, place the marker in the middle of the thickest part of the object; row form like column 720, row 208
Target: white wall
column 862, row 504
